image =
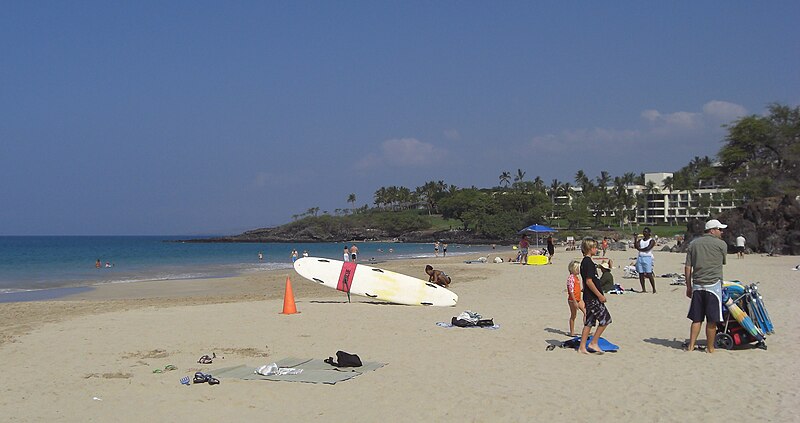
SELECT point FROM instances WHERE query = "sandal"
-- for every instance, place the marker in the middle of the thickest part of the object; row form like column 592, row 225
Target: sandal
column 205, row 360
column 170, row 367
column 212, row 380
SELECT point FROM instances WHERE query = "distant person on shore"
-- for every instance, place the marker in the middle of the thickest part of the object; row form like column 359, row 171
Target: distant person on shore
column 346, row 256
column 522, row 257
column 551, row 248
column 444, row 249
column 703, row 271
column 97, row 264
column 354, row 253
column 305, row 253
column 574, row 299
column 260, row 256
column 604, row 245
column 740, row 242
column 294, row 255
column 436, row 248
column 109, row 265
column 644, row 262
column 437, row 276
column 596, row 311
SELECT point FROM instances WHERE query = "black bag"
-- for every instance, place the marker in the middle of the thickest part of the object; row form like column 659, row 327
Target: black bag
column 344, row 359
column 467, row 324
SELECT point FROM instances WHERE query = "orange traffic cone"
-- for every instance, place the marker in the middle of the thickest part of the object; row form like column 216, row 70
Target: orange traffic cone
column 288, row 299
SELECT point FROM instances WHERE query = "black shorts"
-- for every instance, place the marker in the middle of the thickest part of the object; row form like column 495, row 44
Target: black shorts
column 739, row 249
column 705, row 306
column 596, row 313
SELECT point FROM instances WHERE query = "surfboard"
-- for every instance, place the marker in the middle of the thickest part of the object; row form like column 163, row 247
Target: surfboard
column 537, row 260
column 375, row 283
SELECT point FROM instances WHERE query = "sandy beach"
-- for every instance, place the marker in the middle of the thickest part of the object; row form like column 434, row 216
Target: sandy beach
column 90, row 357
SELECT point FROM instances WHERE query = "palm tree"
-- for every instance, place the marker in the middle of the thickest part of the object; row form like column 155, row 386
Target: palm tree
column 505, row 178
column 668, row 183
column 519, row 176
column 352, row 200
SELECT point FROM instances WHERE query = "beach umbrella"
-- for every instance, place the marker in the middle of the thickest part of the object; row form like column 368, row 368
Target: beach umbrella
column 536, row 229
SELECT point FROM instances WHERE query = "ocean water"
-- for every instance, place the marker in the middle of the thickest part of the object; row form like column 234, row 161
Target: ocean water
column 68, row 262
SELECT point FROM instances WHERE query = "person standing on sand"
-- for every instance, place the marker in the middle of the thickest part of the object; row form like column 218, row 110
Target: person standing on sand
column 574, row 299
column 354, row 253
column 594, row 300
column 444, row 249
column 703, row 271
column 604, row 245
column 346, row 255
column 523, row 249
column 740, row 241
column 644, row 262
column 551, row 248
column 436, row 248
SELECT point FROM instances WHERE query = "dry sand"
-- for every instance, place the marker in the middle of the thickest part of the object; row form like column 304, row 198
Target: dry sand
column 91, row 357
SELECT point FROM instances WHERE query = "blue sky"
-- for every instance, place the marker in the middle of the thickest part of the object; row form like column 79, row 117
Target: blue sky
column 217, row 117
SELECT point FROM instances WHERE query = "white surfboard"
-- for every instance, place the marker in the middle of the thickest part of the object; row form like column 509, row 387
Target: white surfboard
column 373, row 282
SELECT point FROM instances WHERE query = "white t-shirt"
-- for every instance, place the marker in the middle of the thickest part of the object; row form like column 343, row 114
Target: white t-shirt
column 644, row 244
column 740, row 241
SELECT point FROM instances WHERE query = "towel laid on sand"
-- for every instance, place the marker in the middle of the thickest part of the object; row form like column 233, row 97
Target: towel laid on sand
column 313, row 371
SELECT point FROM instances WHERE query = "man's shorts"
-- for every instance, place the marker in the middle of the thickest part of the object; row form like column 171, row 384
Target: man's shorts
column 705, row 306
column 644, row 264
column 739, row 249
column 596, row 313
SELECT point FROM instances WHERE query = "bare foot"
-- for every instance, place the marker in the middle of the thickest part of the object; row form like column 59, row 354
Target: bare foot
column 582, row 351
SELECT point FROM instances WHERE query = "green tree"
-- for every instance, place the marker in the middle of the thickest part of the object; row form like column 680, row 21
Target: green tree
column 505, row 178
column 352, row 200
column 762, row 153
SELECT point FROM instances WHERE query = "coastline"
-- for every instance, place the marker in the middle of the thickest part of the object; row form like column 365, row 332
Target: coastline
column 105, row 344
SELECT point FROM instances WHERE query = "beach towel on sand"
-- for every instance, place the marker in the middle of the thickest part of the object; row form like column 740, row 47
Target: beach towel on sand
column 313, row 371
column 603, row 343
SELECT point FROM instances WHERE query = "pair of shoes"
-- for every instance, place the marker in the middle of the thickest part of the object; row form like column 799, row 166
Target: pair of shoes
column 205, row 360
column 167, row 368
column 201, row 377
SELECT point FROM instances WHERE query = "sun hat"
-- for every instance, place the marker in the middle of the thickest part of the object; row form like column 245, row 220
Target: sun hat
column 604, row 265
column 715, row 224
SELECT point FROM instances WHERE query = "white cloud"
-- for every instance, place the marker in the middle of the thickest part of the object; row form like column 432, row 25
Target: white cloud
column 452, row 134
column 402, row 152
column 675, row 127
column 724, row 111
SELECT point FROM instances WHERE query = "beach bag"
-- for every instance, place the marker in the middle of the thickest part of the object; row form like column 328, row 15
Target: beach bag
column 344, row 359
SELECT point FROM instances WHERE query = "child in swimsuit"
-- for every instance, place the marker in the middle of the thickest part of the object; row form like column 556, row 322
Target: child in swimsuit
column 437, row 276
column 574, row 299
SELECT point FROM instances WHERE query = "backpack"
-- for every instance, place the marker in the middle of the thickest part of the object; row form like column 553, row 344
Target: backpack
column 344, row 359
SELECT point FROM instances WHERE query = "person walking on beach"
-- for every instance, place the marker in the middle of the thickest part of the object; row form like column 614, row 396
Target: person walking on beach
column 346, row 255
column 644, row 262
column 354, row 253
column 740, row 241
column 436, row 248
column 604, row 245
column 523, row 249
column 703, row 271
column 551, row 248
column 574, row 299
column 444, row 249
column 596, row 311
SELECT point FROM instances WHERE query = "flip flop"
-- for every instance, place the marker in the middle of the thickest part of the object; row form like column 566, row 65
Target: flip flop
column 170, row 367
column 158, row 371
column 212, row 380
column 205, row 360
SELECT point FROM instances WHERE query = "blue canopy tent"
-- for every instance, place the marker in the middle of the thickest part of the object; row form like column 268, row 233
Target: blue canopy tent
column 537, row 229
